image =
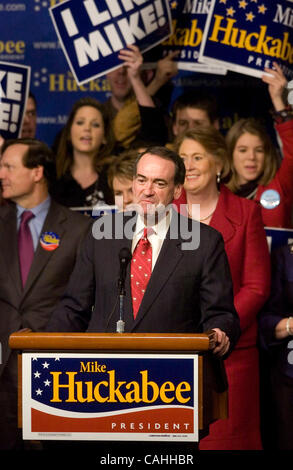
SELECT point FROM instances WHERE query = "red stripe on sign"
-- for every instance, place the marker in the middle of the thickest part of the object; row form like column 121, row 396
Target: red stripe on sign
column 170, row 420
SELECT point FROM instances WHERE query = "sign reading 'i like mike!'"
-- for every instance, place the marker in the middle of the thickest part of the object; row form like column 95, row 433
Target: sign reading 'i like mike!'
column 248, row 35
column 14, row 90
column 92, row 32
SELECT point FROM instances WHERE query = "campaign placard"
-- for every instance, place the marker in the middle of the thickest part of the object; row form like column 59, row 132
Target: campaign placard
column 278, row 237
column 92, row 32
column 14, row 90
column 110, row 397
column 248, row 35
column 188, row 23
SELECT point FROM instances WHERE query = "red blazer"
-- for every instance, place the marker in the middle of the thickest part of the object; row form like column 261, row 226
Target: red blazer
column 280, row 216
column 240, row 223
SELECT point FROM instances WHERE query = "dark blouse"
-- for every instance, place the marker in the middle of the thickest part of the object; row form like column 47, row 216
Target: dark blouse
column 68, row 192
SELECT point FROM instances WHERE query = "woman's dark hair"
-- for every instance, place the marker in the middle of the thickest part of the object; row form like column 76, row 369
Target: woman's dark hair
column 64, row 157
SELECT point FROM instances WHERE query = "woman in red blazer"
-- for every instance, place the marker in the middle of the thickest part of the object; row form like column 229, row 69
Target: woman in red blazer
column 205, row 156
column 254, row 161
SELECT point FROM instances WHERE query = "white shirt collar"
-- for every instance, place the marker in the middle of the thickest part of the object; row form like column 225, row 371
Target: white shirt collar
column 160, row 229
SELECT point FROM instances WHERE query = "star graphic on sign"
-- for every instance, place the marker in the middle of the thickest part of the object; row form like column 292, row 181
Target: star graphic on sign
column 262, row 9
column 37, row 375
column 47, row 383
column 223, row 1
column 173, row 5
column 243, row 4
column 39, row 391
column 230, row 11
column 250, row 16
column 45, row 365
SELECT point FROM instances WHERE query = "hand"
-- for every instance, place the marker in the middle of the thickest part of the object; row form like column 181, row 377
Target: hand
column 222, row 343
column 281, row 328
column 166, row 68
column 132, row 60
column 277, row 83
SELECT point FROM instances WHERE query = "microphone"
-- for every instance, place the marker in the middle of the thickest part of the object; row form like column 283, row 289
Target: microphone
column 125, row 256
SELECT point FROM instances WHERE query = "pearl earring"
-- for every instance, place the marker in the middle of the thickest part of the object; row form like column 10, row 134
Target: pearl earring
column 218, row 178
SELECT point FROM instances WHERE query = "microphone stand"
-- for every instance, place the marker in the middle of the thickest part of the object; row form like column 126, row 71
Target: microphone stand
column 124, row 258
column 120, row 323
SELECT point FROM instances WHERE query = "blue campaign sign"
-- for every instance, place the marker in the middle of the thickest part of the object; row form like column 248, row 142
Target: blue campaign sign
column 278, row 236
column 116, row 396
column 14, row 89
column 188, row 23
column 92, row 32
column 248, row 35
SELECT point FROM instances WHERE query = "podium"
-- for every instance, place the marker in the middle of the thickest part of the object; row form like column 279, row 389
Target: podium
column 157, row 375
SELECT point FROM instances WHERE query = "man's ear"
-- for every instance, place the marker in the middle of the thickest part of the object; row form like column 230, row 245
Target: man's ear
column 216, row 124
column 38, row 173
column 177, row 191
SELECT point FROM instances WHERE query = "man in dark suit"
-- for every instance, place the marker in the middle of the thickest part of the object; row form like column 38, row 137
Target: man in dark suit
column 29, row 292
column 189, row 288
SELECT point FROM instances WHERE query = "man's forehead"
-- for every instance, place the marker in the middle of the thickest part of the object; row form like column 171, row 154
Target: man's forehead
column 14, row 151
column 116, row 72
column 149, row 163
column 192, row 113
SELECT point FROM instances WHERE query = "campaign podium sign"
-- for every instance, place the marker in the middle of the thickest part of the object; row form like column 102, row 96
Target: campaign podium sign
column 94, row 396
column 139, row 387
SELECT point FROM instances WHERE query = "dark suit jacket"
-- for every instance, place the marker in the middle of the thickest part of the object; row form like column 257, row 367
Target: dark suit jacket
column 189, row 290
column 279, row 306
column 32, row 306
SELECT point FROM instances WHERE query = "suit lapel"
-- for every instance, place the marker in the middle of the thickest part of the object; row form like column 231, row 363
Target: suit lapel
column 9, row 244
column 53, row 223
column 227, row 215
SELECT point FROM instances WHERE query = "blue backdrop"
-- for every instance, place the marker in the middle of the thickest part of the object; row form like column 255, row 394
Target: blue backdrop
column 28, row 37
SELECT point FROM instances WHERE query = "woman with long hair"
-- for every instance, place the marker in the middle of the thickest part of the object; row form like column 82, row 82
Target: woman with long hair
column 85, row 143
column 256, row 173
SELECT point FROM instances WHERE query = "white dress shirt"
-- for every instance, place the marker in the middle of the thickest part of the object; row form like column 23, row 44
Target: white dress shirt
column 156, row 236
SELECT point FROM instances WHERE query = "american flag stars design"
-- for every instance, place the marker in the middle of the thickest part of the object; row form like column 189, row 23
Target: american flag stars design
column 249, row 8
column 41, row 377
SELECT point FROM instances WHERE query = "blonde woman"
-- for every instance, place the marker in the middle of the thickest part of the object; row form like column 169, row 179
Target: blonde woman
column 204, row 153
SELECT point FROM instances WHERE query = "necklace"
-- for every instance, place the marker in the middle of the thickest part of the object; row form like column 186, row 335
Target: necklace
column 207, row 216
